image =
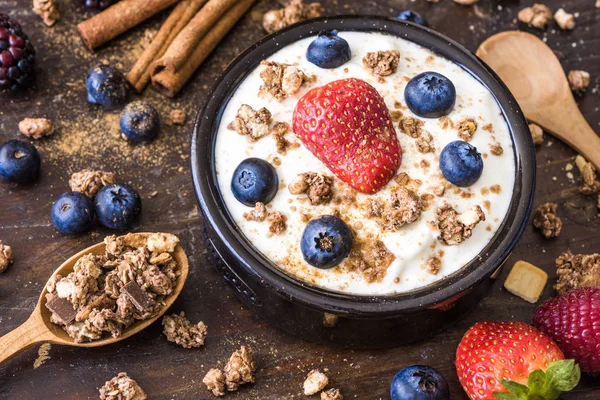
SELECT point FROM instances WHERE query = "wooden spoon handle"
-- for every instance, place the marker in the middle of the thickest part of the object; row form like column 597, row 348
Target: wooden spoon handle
column 32, row 332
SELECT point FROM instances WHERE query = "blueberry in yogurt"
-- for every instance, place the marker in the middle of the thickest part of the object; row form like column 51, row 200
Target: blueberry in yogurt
column 430, row 95
column 461, row 163
column 19, row 161
column 326, row 241
column 73, row 213
column 419, row 382
column 254, row 180
column 117, row 206
column 328, row 50
column 411, row 16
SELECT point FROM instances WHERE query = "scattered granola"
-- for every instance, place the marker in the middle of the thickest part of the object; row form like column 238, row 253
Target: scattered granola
column 259, row 213
column 496, row 149
column 177, row 117
column 564, row 20
column 317, row 186
column 330, row 320
column 537, row 16
column 411, row 126
column 215, row 381
column 589, row 181
column 537, row 134
column 455, row 228
column 432, row 265
column 181, row 331
column 547, row 221
column 577, row 270
column 254, row 124
column 5, row 257
column 43, row 356
column 579, row 80
column 89, row 182
column 466, row 129
column 405, row 207
column 382, row 63
column 277, row 222
column 281, row 80
column 278, row 132
column 108, row 292
column 36, row 128
column 332, row 394
column 295, row 11
column 47, row 10
column 240, row 368
column 122, row 387
column 315, row 382
column 425, row 143
column 370, row 257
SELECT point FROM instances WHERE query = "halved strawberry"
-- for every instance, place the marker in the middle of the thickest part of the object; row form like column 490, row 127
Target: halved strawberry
column 506, row 360
column 347, row 126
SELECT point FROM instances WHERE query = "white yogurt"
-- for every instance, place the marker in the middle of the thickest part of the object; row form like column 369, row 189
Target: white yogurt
column 413, row 244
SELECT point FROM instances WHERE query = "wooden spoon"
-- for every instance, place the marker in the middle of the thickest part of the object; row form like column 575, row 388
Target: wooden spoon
column 38, row 328
column 535, row 77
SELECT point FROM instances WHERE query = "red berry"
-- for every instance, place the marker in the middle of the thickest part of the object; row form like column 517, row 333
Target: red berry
column 573, row 321
column 347, row 126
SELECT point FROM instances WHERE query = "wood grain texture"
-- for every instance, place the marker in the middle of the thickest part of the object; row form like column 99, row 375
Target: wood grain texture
column 164, row 370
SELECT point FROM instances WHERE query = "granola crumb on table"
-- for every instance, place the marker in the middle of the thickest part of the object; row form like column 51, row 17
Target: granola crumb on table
column 332, row 394
column 181, row 331
column 89, row 182
column 564, row 20
column 5, row 256
column 295, row 11
column 47, row 10
column 589, row 181
column 122, row 387
column 240, row 368
column 315, row 382
column 251, row 123
column 382, row 63
column 215, row 381
column 577, row 270
column 281, row 80
column 537, row 16
column 546, row 220
column 36, row 128
column 318, row 187
column 537, row 134
column 455, row 228
column 466, row 2
column 578, row 80
column 177, row 117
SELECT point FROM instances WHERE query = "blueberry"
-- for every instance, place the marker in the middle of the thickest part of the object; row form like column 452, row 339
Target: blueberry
column 19, row 161
column 460, row 163
column 430, row 95
column 253, row 181
column 140, row 122
column 411, row 16
column 73, row 213
column 117, row 206
column 419, row 382
column 328, row 50
column 326, row 241
column 106, row 86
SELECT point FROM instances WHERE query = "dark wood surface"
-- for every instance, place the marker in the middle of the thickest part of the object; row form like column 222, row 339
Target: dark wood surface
column 87, row 138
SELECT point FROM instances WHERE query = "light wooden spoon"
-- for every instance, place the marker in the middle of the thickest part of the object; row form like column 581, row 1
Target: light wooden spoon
column 535, row 77
column 38, row 328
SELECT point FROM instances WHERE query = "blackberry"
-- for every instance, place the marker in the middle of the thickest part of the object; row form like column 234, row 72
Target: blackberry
column 17, row 56
column 97, row 4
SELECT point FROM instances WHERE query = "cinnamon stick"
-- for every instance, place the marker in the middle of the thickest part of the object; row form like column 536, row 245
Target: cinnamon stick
column 117, row 19
column 139, row 76
column 187, row 40
column 170, row 82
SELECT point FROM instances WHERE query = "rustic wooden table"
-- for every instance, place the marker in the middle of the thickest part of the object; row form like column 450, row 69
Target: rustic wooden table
column 88, row 137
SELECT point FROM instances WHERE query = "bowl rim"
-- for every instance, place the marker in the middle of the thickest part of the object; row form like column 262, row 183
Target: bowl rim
column 263, row 271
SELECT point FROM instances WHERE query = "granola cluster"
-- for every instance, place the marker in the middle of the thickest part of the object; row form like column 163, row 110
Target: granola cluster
column 108, row 292
column 405, row 207
column 589, row 179
column 332, row 394
column 564, row 20
column 411, row 126
column 251, row 123
column 47, row 10
column 178, row 329
column 546, row 220
column 537, row 16
column 277, row 221
column 425, row 143
column 579, row 80
column 537, row 134
column 466, row 129
column 89, row 182
column 315, row 382
column 5, row 256
column 239, row 370
column 370, row 257
column 577, row 270
column 432, row 265
column 36, row 128
column 281, row 80
column 382, row 63
column 455, row 228
column 122, row 387
column 295, row 11
column 318, row 187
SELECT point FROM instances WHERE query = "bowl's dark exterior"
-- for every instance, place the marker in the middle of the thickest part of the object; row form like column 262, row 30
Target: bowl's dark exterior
column 361, row 322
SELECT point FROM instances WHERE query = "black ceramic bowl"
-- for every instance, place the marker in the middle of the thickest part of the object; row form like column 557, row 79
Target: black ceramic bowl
column 359, row 321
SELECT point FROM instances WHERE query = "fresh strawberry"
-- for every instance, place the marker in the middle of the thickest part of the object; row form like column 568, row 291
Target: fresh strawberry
column 347, row 126
column 505, row 360
column 573, row 321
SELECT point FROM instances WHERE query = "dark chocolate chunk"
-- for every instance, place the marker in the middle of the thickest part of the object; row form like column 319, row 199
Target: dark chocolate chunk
column 136, row 295
column 62, row 309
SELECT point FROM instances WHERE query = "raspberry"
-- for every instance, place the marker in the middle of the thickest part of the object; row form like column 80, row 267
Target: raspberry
column 17, row 56
column 97, row 4
column 573, row 321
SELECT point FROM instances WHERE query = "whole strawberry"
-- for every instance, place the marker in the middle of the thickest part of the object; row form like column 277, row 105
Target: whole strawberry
column 573, row 321
column 505, row 360
column 347, row 126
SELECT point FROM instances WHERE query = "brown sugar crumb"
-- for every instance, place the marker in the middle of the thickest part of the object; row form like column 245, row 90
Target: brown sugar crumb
column 396, row 115
column 432, row 265
column 411, row 126
column 36, row 128
column 259, row 213
column 251, row 123
column 455, row 228
column 537, row 16
column 122, row 387
column 466, row 129
column 445, row 122
column 89, row 182
column 564, row 20
column 537, row 134
column 177, row 117
column 547, row 221
column 397, row 104
column 488, row 128
column 280, row 80
column 47, row 10
column 317, row 186
column 5, row 257
column 579, row 270
column 405, row 207
column 370, row 257
column 332, row 394
column 579, row 80
column 281, row 143
column 315, row 382
column 496, row 149
column 277, row 223
column 495, row 189
column 589, row 182
column 382, row 63
column 295, row 11
column 425, row 143
column 181, row 331
column 215, row 381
